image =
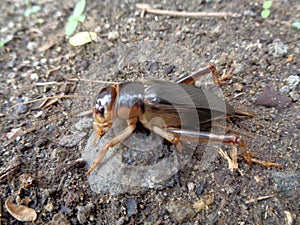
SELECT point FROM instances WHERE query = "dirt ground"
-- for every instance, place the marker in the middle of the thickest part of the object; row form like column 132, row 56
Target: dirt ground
column 42, row 165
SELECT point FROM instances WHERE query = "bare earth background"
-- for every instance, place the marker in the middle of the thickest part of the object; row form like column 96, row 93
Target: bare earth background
column 42, row 169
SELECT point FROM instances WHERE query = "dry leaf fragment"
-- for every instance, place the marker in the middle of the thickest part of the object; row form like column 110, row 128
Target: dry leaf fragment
column 232, row 162
column 82, row 38
column 20, row 212
column 204, row 203
column 10, row 167
column 289, row 218
column 26, row 180
column 13, row 132
column 290, row 58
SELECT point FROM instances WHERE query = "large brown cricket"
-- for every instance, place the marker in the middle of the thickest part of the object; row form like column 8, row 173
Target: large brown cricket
column 159, row 107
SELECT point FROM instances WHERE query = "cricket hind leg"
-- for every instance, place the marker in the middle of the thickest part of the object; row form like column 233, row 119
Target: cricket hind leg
column 229, row 138
column 201, row 136
column 171, row 137
column 211, row 68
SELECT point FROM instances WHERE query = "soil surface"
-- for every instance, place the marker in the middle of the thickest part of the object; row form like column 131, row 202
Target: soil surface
column 46, row 145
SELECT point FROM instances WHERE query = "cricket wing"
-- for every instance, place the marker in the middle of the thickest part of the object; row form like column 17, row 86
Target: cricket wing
column 181, row 104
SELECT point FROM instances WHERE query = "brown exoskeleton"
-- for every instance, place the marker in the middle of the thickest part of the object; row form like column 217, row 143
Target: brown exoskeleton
column 159, row 106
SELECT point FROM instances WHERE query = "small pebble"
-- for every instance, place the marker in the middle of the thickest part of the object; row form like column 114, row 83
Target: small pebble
column 238, row 87
column 249, row 13
column 200, row 188
column 284, row 89
column 84, row 64
column 290, row 88
column 131, row 206
column 8, row 38
column 278, row 48
column 43, row 60
column 294, row 95
column 21, row 109
column 84, row 212
column 10, row 24
column 121, row 221
column 58, row 14
column 185, row 29
column 292, row 81
column 191, row 186
column 131, row 20
column 152, row 66
column 286, row 181
column 31, row 45
column 34, row 76
column 82, row 124
column 181, row 211
column 59, row 218
column 50, row 206
column 72, row 140
column 168, row 69
column 113, row 35
column 271, row 98
column 239, row 68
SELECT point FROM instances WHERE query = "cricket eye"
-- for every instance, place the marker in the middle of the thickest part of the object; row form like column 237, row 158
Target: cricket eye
column 99, row 108
column 104, row 102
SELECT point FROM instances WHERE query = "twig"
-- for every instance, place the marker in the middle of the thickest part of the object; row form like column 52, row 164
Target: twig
column 90, row 80
column 61, row 169
column 146, row 8
column 22, row 132
column 49, row 98
column 259, row 199
column 52, row 70
column 46, row 83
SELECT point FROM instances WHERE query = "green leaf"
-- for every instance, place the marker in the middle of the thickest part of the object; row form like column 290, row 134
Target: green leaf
column 2, row 44
column 75, row 18
column 34, row 9
column 71, row 27
column 265, row 13
column 79, row 8
column 72, row 18
column 296, row 24
column 267, row 4
column 81, row 18
column 27, row 12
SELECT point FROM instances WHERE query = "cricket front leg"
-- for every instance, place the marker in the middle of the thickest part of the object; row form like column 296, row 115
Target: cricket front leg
column 116, row 140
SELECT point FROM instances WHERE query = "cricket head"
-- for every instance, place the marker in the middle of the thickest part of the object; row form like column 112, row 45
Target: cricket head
column 103, row 109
